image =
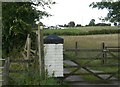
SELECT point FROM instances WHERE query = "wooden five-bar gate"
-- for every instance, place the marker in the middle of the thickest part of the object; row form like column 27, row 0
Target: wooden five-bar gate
column 103, row 58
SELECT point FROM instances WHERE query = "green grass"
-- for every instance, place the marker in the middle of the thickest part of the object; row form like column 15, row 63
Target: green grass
column 81, row 30
column 91, row 28
column 90, row 41
column 31, row 77
column 94, row 80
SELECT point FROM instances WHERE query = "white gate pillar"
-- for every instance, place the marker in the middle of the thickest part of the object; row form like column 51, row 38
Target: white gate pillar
column 53, row 55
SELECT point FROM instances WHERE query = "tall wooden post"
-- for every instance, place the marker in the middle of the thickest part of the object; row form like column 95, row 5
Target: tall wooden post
column 41, row 50
column 42, row 53
column 36, row 53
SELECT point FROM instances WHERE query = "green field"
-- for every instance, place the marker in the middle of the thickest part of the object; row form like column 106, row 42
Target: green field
column 91, row 28
column 83, row 30
column 90, row 41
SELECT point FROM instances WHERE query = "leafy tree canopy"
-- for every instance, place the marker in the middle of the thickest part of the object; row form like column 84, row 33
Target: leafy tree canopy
column 92, row 22
column 18, row 19
column 113, row 8
column 71, row 24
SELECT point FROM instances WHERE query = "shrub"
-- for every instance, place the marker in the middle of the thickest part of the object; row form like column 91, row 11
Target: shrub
column 102, row 24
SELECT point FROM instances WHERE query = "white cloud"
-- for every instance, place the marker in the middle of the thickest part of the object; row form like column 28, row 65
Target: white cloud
column 73, row 10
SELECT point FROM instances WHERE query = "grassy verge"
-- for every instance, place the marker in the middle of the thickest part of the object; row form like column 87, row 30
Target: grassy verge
column 31, row 78
column 30, row 75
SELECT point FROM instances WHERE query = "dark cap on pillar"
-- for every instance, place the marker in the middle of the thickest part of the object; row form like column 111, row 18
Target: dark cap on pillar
column 53, row 39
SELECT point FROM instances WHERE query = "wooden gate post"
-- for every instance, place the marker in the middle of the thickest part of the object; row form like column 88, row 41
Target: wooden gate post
column 41, row 51
column 28, row 48
column 104, row 56
column 76, row 47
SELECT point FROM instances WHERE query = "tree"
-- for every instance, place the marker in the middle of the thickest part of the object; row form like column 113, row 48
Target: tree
column 115, row 24
column 65, row 25
column 92, row 22
column 112, row 7
column 78, row 25
column 18, row 19
column 71, row 24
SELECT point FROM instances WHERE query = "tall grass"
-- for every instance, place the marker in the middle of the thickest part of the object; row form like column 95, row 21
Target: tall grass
column 30, row 75
column 32, row 78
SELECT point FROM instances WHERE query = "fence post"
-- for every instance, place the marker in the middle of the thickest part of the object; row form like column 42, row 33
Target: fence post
column 104, row 53
column 41, row 50
column 36, row 66
column 6, row 71
column 42, row 53
column 28, row 48
column 76, row 47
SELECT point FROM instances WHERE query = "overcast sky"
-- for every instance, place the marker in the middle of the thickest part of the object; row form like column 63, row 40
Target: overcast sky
column 73, row 10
